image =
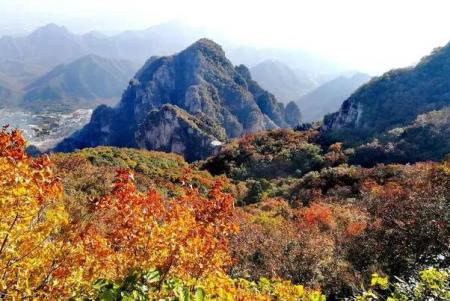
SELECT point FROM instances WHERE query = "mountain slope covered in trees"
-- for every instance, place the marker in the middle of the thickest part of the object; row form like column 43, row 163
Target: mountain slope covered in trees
column 398, row 117
column 269, row 211
column 396, row 98
column 279, row 212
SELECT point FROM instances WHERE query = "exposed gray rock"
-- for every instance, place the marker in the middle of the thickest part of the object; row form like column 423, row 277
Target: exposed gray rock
column 292, row 114
column 171, row 129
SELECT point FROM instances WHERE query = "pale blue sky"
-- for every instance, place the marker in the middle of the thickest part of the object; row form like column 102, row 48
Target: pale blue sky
column 372, row 36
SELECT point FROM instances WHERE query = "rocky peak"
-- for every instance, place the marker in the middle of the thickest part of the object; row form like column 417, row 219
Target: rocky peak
column 201, row 82
column 50, row 30
column 207, row 48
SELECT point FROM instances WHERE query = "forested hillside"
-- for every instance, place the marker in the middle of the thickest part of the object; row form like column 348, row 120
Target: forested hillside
column 124, row 224
column 394, row 99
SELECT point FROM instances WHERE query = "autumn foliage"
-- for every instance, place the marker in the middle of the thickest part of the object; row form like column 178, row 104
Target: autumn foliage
column 185, row 237
column 160, row 247
column 135, row 225
column 31, row 222
column 332, row 225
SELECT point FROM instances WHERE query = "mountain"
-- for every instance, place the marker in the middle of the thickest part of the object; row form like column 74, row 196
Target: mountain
column 328, row 97
column 51, row 45
column 87, row 81
column 4, row 95
column 47, row 46
column 292, row 114
column 196, row 96
column 28, row 56
column 20, row 71
column 387, row 114
column 280, row 80
column 396, row 98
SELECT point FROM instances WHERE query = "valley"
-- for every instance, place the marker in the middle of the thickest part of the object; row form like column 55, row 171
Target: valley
column 45, row 130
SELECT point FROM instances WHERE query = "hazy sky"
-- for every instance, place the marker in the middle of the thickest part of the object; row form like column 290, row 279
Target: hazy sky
column 371, row 36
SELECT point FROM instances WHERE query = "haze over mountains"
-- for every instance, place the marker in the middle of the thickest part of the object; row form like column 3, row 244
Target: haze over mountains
column 328, row 97
column 248, row 158
column 9, row 91
column 281, row 80
column 26, row 58
column 52, row 44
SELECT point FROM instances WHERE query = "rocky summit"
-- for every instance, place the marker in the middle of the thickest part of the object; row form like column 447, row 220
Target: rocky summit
column 187, row 103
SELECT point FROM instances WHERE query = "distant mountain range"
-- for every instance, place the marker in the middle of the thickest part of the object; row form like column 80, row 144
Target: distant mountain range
column 300, row 61
column 328, row 97
column 52, row 70
column 5, row 94
column 281, row 80
column 190, row 101
column 52, row 45
column 29, row 56
column 186, row 103
column 88, row 81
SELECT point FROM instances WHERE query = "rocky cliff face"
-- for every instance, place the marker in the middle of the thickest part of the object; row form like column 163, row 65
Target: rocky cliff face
column 202, row 87
column 171, row 129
